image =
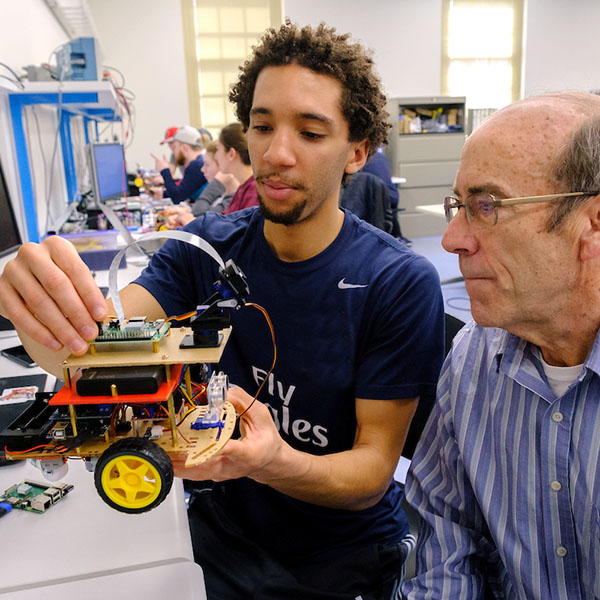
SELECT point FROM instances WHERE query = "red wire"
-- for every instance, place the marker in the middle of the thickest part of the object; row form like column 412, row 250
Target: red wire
column 57, row 448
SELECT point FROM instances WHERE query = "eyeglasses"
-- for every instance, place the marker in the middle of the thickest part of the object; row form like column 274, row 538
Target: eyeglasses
column 482, row 208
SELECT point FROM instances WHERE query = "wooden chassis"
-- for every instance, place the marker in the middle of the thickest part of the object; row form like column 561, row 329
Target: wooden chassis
column 198, row 444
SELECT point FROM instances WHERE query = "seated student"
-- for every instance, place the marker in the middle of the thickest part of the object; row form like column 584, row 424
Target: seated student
column 187, row 148
column 367, row 197
column 233, row 158
column 206, row 138
column 379, row 166
column 215, row 197
column 169, row 133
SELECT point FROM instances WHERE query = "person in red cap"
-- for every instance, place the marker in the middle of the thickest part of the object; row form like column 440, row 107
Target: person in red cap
column 169, row 133
column 187, row 147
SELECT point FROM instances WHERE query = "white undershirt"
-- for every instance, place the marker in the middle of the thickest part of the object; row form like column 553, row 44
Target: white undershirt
column 559, row 378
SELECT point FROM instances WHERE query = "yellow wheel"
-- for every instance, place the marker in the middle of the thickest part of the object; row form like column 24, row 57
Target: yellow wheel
column 133, row 475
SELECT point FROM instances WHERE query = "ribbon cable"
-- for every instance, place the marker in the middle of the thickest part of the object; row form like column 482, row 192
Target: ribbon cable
column 182, row 236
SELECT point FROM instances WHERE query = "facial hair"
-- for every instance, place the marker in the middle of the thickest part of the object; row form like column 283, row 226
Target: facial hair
column 295, row 214
column 291, row 217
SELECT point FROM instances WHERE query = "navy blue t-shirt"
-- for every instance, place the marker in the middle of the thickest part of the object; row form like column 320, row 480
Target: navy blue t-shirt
column 362, row 319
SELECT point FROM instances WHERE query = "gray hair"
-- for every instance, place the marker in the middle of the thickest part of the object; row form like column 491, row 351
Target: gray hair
column 577, row 169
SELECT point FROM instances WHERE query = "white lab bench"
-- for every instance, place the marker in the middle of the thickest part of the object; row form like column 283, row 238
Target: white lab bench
column 82, row 548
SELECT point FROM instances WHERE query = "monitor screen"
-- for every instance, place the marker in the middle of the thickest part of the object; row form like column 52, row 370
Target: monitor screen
column 109, row 177
column 10, row 238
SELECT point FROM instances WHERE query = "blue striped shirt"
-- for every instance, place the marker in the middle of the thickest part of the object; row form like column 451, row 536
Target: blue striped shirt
column 506, row 478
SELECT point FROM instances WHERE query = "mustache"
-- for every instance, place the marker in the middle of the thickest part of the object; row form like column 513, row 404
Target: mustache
column 295, row 183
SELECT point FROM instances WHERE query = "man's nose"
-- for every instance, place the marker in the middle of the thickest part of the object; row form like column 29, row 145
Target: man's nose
column 458, row 238
column 280, row 151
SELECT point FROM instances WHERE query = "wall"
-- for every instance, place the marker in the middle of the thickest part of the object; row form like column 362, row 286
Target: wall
column 561, row 46
column 28, row 33
column 405, row 36
column 18, row 49
column 144, row 40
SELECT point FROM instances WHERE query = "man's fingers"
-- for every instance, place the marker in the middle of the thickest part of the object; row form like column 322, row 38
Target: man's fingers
column 49, row 281
column 46, row 312
column 17, row 312
column 82, row 279
column 69, row 283
column 241, row 402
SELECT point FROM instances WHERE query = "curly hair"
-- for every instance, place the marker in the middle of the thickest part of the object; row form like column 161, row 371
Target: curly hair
column 325, row 52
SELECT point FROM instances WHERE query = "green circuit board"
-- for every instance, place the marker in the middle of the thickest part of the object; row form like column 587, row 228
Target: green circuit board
column 133, row 330
column 35, row 497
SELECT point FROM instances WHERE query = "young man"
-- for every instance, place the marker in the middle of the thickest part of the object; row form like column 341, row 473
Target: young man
column 187, row 148
column 306, row 506
column 507, row 474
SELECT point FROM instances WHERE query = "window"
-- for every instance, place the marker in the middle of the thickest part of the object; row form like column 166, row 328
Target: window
column 219, row 35
column 482, row 43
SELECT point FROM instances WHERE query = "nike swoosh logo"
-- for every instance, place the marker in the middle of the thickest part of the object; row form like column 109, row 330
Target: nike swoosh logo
column 349, row 286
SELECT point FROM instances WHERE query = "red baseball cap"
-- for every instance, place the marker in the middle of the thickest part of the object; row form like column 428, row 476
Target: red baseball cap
column 169, row 133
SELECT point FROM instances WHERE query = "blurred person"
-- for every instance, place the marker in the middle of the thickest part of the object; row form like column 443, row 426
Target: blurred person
column 233, row 158
column 169, row 133
column 215, row 197
column 187, row 148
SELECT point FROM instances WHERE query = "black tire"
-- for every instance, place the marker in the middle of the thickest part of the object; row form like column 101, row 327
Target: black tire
column 146, row 463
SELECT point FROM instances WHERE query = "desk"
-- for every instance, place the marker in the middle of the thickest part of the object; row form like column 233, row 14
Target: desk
column 82, row 544
column 81, row 548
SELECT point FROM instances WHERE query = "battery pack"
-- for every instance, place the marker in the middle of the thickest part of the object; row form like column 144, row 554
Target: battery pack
column 128, row 380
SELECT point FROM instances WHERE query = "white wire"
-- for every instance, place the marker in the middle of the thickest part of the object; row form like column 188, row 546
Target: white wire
column 182, row 236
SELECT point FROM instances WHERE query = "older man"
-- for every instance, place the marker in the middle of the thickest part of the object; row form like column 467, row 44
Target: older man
column 507, row 475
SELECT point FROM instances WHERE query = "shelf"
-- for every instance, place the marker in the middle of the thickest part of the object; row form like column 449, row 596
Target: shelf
column 428, row 160
column 92, row 100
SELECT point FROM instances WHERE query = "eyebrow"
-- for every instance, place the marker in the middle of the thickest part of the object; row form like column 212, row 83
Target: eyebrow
column 321, row 118
column 487, row 188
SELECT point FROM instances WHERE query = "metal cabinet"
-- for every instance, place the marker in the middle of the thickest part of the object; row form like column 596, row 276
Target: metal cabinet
column 425, row 143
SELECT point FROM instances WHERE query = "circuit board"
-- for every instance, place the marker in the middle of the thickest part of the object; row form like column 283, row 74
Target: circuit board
column 35, row 497
column 136, row 329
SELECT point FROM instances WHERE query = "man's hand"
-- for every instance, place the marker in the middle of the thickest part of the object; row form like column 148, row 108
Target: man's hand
column 160, row 162
column 255, row 454
column 354, row 479
column 156, row 192
column 44, row 283
column 229, row 181
column 177, row 216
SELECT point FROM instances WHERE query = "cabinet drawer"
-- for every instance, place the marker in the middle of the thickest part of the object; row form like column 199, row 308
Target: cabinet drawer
column 430, row 147
column 426, row 174
column 409, row 198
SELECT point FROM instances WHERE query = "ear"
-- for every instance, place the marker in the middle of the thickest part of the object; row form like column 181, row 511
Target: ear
column 231, row 153
column 590, row 237
column 357, row 156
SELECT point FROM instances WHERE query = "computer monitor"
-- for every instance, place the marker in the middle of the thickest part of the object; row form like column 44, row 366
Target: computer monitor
column 10, row 237
column 108, row 173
